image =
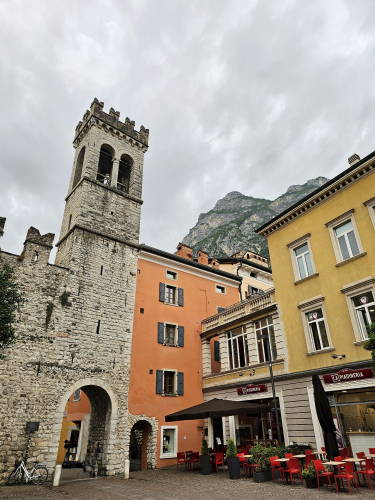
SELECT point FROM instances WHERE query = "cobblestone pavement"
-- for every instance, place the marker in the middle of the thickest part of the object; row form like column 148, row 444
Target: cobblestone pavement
column 171, row 485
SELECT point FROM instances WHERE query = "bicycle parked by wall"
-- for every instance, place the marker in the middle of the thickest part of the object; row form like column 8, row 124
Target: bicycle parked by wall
column 37, row 474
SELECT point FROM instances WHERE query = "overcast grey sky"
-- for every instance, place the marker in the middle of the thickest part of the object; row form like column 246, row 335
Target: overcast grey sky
column 238, row 95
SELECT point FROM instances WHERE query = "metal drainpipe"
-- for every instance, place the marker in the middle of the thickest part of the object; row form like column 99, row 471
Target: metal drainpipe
column 240, row 285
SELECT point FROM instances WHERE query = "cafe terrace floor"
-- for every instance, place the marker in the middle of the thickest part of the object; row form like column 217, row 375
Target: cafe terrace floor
column 169, row 484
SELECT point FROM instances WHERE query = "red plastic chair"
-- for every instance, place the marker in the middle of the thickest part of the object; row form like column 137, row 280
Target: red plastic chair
column 368, row 471
column 194, row 459
column 244, row 463
column 219, row 459
column 310, row 457
column 372, row 451
column 276, row 466
column 322, row 473
column 309, row 452
column 348, row 475
column 361, row 454
column 293, row 469
column 188, row 455
column 288, row 455
column 181, row 459
column 345, row 452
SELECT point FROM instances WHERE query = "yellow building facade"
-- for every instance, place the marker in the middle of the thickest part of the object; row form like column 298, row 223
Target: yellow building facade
column 323, row 260
column 323, row 266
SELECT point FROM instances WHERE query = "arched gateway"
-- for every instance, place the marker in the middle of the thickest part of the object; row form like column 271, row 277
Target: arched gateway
column 95, row 442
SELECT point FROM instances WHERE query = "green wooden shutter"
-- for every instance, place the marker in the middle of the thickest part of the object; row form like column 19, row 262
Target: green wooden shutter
column 180, row 383
column 181, row 334
column 162, row 292
column 160, row 333
column 159, row 381
column 217, row 350
column 180, row 296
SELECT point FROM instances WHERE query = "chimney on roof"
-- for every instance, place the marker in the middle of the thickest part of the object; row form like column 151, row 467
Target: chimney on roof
column 184, row 251
column 353, row 159
column 202, row 257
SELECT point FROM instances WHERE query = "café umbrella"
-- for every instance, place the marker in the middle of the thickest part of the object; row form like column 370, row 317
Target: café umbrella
column 217, row 408
column 325, row 418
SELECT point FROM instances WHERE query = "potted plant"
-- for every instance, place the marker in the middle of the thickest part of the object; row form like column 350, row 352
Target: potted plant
column 204, row 459
column 309, row 476
column 262, row 465
column 233, row 461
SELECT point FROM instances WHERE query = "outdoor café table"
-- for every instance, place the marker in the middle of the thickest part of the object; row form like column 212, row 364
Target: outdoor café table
column 299, row 456
column 335, row 465
column 283, row 462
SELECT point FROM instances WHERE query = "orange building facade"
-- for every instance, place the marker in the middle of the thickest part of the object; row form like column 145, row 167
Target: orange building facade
column 174, row 293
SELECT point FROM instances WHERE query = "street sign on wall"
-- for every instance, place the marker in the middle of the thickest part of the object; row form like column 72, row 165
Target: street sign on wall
column 251, row 389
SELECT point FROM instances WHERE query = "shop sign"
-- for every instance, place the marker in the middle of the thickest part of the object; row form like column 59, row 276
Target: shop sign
column 348, row 375
column 251, row 389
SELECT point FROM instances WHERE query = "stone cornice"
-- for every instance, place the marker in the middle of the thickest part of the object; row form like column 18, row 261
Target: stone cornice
column 340, row 182
column 109, row 188
column 98, row 233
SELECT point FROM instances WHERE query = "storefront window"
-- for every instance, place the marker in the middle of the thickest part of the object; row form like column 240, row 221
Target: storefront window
column 237, row 348
column 354, row 414
column 168, row 442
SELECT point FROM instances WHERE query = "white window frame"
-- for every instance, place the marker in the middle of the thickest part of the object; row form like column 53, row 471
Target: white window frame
column 370, row 204
column 221, row 289
column 231, row 340
column 175, row 295
column 174, row 393
column 309, row 306
column 174, row 453
column 338, row 221
column 172, row 272
column 352, row 290
column 175, row 333
column 256, row 330
column 303, row 240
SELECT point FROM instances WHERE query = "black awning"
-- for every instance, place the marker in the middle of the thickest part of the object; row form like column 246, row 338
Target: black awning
column 217, row 408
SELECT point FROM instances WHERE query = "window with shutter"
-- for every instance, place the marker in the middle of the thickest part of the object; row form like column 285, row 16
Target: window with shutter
column 181, row 334
column 180, row 383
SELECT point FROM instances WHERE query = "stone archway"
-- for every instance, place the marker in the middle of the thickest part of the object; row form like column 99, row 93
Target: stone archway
column 140, row 446
column 96, row 447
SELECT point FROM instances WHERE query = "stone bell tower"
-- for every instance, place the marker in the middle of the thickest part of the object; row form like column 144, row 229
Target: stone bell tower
column 105, row 188
column 98, row 243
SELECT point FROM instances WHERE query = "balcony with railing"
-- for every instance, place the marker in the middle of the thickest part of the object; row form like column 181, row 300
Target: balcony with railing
column 239, row 310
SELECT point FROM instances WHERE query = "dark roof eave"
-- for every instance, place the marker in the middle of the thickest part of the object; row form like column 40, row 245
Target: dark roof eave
column 316, row 191
column 177, row 258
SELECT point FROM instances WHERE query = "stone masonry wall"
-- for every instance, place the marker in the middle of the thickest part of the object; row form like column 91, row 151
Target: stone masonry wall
column 75, row 326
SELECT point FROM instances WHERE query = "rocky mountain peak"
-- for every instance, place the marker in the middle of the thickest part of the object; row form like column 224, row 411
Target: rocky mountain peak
column 230, row 226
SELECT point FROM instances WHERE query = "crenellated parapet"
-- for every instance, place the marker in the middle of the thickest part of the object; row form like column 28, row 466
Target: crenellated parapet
column 110, row 121
column 33, row 236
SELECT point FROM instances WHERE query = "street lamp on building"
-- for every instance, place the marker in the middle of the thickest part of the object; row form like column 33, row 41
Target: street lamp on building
column 266, row 337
